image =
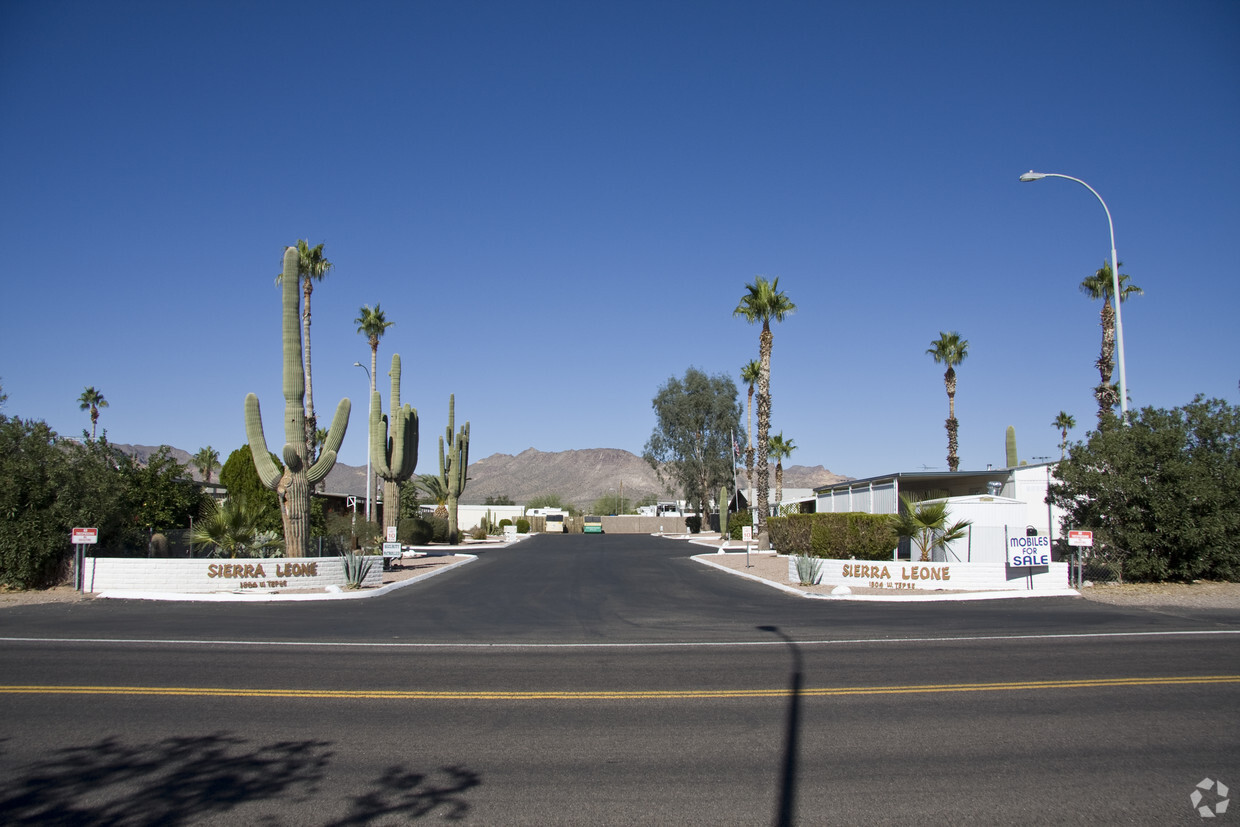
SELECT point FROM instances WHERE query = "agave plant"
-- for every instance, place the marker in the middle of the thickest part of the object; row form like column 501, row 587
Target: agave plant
column 356, row 567
column 809, row 570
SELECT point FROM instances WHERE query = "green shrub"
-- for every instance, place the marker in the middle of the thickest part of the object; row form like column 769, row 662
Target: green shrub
column 853, row 536
column 415, row 531
column 477, row 533
column 439, row 529
column 791, row 534
column 504, row 522
column 694, row 524
column 737, row 523
column 835, row 536
column 523, row 525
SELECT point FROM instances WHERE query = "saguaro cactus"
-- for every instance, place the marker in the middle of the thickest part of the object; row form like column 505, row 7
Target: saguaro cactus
column 723, row 513
column 293, row 484
column 393, row 445
column 453, row 466
column 1012, row 461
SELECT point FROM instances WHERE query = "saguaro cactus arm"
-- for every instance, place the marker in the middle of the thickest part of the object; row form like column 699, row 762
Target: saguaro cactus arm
column 335, row 436
column 268, row 472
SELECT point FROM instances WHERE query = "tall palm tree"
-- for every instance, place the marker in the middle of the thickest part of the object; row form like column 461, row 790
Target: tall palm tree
column 372, row 324
column 951, row 350
column 762, row 302
column 206, row 461
column 749, row 375
column 1101, row 285
column 1063, row 423
column 781, row 449
column 92, row 400
column 312, row 266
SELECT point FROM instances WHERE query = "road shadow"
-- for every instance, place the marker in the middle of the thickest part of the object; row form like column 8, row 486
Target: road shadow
column 179, row 780
column 785, row 811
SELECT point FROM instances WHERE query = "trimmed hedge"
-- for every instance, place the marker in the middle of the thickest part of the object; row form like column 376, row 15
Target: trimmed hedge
column 843, row 536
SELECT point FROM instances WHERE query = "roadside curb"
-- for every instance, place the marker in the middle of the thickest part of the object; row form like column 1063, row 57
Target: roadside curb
column 233, row 597
column 927, row 597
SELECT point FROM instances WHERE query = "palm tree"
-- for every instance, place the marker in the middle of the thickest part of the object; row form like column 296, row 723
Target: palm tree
column 312, row 266
column 431, row 484
column 1063, row 423
column 92, row 400
column 763, row 302
column 925, row 523
column 749, row 375
column 951, row 350
column 233, row 528
column 1101, row 285
column 372, row 324
column 780, row 448
column 206, row 461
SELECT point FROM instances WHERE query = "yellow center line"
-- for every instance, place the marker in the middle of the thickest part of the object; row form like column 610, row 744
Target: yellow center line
column 622, row 695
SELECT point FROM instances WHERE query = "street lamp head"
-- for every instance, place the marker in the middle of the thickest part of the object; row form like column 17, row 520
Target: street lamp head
column 1032, row 176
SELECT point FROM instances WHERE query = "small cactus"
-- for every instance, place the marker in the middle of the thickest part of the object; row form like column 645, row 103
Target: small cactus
column 453, row 465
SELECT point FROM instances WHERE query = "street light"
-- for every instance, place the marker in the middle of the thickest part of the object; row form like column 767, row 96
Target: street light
column 1119, row 324
column 370, row 402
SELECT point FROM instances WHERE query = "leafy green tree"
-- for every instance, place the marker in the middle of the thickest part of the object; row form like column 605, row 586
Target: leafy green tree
column 1063, row 423
column 312, row 266
column 750, row 374
column 240, row 479
column 925, row 524
column 949, row 349
column 1101, row 285
column 501, row 499
column 34, row 530
column 92, row 400
column 206, row 461
column 611, row 503
column 161, row 492
column 692, row 440
column 1160, row 495
column 763, row 303
column 4, row 397
column 781, row 449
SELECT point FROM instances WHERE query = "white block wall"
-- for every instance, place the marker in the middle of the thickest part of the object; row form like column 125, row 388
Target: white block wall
column 272, row 574
column 905, row 575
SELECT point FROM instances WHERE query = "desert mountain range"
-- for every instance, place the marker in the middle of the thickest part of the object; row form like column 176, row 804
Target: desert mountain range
column 579, row 477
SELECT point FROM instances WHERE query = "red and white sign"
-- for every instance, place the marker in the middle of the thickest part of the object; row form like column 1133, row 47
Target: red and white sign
column 391, row 534
column 1080, row 538
column 85, row 536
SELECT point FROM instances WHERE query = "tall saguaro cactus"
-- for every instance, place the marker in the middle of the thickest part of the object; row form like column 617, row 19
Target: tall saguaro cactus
column 292, row 484
column 393, row 445
column 453, row 466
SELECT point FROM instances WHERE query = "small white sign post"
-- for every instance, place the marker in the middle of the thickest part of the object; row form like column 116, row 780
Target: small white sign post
column 82, row 537
column 1082, row 539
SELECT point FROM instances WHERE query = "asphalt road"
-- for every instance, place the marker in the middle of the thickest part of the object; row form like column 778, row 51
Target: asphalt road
column 610, row 680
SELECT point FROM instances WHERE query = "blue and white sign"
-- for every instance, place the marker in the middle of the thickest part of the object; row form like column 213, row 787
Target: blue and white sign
column 1029, row 551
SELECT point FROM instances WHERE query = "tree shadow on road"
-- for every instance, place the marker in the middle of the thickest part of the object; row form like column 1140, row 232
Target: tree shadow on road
column 179, row 780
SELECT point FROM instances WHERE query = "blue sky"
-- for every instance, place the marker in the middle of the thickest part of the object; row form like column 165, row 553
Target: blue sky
column 559, row 205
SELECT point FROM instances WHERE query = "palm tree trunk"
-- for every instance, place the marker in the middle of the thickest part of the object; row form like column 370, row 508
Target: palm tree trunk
column 779, row 482
column 1104, row 393
column 764, row 426
column 749, row 448
column 949, row 382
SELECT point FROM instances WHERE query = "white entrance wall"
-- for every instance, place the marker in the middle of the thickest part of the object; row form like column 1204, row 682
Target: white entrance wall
column 271, row 574
column 914, row 576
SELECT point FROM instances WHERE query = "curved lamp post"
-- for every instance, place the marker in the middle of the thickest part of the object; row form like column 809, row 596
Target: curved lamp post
column 1119, row 324
column 368, row 435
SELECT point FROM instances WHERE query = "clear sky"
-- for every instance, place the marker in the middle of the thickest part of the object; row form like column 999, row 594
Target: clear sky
column 559, row 205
